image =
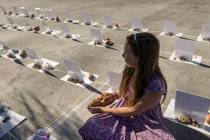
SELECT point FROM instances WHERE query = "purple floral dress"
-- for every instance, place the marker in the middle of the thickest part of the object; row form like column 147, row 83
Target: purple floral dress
column 145, row 126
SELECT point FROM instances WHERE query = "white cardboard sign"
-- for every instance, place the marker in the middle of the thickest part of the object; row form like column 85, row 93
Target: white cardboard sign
column 50, row 13
column 38, row 10
column 96, row 35
column 184, row 48
column 26, row 22
column 73, row 69
column 3, row 9
column 205, row 33
column 25, row 11
column 194, row 106
column 136, row 23
column 65, row 29
column 10, row 20
column 86, row 18
column 68, row 16
column 114, row 80
column 108, row 21
column 3, row 45
column 66, row 32
column 169, row 26
column 15, row 10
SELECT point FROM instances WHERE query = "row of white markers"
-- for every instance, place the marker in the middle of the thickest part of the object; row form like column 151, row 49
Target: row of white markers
column 72, row 67
column 169, row 26
column 183, row 48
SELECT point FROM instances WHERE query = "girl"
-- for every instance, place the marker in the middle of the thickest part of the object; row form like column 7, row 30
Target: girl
column 137, row 115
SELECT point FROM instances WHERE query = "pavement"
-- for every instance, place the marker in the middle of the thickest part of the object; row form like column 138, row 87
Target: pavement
column 47, row 102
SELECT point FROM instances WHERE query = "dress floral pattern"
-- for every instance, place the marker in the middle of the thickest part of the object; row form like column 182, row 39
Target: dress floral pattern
column 145, row 126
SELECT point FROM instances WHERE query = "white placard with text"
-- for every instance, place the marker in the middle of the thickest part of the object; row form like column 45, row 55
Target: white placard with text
column 194, row 106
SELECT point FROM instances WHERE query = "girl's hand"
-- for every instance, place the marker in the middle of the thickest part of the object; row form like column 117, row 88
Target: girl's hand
column 95, row 110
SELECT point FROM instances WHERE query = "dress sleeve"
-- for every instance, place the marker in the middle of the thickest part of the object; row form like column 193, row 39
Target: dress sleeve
column 156, row 85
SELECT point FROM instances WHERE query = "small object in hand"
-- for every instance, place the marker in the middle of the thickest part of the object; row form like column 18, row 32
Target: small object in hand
column 96, row 103
column 7, row 118
column 57, row 19
column 91, row 77
column 36, row 28
column 108, row 98
column 183, row 58
column 104, row 100
column 23, row 54
column 116, row 25
column 207, row 39
column 169, row 33
column 75, row 81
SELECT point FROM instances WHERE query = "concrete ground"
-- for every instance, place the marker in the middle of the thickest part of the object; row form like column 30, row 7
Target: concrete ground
column 50, row 103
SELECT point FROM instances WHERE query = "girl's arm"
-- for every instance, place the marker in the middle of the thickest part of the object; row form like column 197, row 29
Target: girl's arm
column 147, row 102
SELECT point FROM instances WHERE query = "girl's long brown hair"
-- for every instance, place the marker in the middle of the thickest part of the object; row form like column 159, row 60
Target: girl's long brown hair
column 146, row 47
